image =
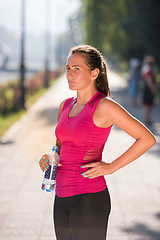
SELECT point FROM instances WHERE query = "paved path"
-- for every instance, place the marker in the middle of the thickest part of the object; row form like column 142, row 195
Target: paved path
column 26, row 211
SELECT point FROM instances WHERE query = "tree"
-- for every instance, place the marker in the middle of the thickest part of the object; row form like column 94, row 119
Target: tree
column 123, row 28
column 93, row 18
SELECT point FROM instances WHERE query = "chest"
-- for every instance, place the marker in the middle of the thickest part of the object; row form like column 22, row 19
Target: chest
column 75, row 129
column 75, row 110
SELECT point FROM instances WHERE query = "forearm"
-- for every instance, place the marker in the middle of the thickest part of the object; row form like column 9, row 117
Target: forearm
column 138, row 148
column 97, row 169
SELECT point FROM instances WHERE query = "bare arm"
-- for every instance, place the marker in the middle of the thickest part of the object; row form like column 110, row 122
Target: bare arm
column 144, row 139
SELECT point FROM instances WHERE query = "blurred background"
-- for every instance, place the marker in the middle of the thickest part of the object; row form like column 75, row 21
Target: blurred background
column 36, row 19
column 35, row 38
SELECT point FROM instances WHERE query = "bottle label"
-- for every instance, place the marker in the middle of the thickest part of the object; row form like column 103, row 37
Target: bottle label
column 47, row 173
column 54, row 172
column 51, row 172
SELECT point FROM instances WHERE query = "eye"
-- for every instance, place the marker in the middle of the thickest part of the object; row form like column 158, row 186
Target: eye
column 76, row 68
column 67, row 69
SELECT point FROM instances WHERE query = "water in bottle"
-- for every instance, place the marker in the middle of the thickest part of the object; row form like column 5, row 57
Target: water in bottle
column 48, row 183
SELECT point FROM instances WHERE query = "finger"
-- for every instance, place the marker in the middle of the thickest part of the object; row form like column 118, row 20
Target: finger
column 94, row 176
column 59, row 164
column 45, row 157
column 89, row 173
column 45, row 167
column 90, row 165
column 44, row 162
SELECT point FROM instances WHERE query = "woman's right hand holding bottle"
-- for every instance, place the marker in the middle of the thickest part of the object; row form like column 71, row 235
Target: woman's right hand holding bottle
column 44, row 162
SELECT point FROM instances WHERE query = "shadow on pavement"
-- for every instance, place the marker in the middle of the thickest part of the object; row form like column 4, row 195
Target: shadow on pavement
column 144, row 232
column 49, row 115
column 6, row 142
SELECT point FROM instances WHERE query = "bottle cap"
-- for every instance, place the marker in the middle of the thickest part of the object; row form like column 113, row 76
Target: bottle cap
column 55, row 148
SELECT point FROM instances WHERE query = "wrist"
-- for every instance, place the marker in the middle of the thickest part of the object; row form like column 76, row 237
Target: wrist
column 109, row 168
column 114, row 166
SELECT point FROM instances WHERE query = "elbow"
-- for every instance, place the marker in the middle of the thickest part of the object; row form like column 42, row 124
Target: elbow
column 152, row 141
column 149, row 140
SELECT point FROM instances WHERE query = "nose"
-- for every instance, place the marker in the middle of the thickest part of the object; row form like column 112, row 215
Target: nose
column 69, row 73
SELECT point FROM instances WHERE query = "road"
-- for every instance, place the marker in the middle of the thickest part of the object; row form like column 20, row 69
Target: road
column 26, row 211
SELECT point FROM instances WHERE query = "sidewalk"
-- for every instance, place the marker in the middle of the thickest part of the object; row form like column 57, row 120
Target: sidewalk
column 26, row 211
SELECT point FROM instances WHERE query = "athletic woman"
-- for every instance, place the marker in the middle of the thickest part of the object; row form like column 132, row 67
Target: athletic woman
column 82, row 201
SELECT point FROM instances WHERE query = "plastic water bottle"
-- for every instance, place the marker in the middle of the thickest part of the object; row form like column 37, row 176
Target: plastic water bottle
column 48, row 183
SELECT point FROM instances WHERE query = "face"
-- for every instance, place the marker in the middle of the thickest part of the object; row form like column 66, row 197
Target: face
column 78, row 74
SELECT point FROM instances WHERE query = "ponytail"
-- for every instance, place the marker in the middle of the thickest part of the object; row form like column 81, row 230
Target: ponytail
column 101, row 82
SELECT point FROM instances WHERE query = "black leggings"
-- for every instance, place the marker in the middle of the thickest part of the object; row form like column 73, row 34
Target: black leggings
column 82, row 217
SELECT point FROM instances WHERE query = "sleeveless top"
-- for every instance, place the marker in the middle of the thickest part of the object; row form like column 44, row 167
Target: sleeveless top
column 82, row 142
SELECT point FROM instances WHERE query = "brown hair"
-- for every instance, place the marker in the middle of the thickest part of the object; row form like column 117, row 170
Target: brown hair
column 94, row 59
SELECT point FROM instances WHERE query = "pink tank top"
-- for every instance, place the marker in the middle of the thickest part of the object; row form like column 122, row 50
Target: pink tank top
column 81, row 142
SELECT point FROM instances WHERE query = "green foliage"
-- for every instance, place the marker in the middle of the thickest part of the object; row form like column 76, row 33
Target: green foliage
column 93, row 11
column 10, row 93
column 8, row 119
column 7, row 96
column 9, row 112
column 123, row 28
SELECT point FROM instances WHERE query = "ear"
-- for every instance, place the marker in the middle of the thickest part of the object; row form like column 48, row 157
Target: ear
column 94, row 73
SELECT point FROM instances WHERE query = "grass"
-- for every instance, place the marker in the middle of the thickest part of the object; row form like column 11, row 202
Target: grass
column 7, row 120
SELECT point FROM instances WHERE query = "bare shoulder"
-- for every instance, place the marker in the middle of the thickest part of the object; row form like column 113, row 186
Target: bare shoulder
column 103, row 116
column 108, row 105
column 62, row 104
column 114, row 112
column 60, row 109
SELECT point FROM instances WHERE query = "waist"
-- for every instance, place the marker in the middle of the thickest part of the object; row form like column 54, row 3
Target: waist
column 78, row 156
column 70, row 182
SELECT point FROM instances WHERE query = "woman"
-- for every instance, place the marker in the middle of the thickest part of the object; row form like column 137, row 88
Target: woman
column 149, row 90
column 82, row 201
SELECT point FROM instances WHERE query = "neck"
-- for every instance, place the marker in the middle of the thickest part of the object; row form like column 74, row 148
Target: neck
column 84, row 97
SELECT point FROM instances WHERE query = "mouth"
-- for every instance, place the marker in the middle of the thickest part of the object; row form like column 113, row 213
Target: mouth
column 70, row 82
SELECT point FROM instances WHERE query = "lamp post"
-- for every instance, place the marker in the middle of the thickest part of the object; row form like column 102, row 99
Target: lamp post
column 47, row 43
column 22, row 60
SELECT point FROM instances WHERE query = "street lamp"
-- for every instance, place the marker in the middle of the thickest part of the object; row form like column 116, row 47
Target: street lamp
column 47, row 42
column 22, row 60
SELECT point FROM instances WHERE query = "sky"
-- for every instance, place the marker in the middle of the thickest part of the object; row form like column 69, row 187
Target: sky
column 60, row 10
